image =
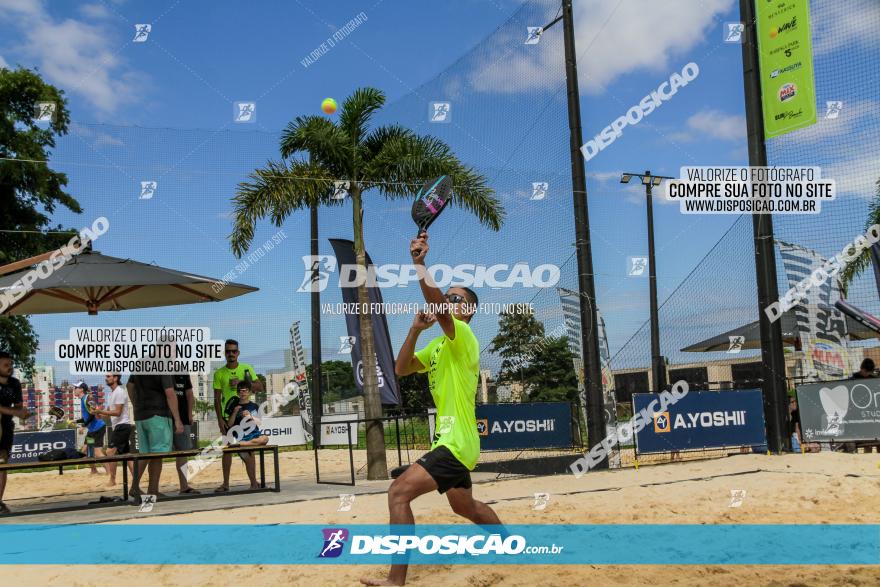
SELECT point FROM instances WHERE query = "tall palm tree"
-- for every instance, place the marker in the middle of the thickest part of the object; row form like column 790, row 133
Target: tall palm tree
column 391, row 160
column 863, row 261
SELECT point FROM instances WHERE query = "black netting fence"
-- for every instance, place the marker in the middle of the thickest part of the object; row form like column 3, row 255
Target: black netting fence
column 501, row 106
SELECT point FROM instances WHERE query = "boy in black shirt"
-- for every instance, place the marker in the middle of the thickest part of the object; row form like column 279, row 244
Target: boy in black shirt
column 254, row 437
column 10, row 405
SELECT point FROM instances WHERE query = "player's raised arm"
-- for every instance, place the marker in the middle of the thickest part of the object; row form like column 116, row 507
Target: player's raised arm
column 407, row 362
column 419, row 249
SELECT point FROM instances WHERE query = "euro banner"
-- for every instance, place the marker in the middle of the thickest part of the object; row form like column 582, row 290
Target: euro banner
column 785, row 54
column 388, row 390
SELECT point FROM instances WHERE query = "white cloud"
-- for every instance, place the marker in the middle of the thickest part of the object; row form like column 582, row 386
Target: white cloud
column 638, row 35
column 94, row 11
column 95, row 137
column 80, row 58
column 3, row 62
column 839, row 24
column 856, row 176
column 848, row 122
column 712, row 124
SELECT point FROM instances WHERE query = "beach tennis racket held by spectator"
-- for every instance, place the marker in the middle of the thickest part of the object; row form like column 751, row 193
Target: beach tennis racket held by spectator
column 56, row 413
column 430, row 201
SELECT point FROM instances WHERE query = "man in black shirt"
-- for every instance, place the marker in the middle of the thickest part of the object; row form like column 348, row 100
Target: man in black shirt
column 156, row 420
column 10, row 405
column 183, row 389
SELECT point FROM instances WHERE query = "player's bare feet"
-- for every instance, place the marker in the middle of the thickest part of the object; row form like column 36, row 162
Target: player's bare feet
column 369, row 581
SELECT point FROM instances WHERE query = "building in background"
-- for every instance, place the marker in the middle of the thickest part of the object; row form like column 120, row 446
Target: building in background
column 202, row 386
column 297, row 354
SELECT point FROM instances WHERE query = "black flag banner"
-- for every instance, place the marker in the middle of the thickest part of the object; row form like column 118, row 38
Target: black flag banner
column 388, row 389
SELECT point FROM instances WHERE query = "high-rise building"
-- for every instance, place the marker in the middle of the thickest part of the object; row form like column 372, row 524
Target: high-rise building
column 37, row 392
column 297, row 352
column 202, row 383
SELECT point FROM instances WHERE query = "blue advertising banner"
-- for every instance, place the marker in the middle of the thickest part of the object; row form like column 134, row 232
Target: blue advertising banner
column 702, row 419
column 27, row 446
column 441, row 544
column 531, row 425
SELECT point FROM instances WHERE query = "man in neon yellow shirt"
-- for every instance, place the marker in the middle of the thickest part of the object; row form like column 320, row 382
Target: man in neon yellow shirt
column 452, row 361
column 226, row 380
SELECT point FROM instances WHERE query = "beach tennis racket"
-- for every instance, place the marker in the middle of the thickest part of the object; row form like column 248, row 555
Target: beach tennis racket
column 230, row 405
column 430, row 202
column 859, row 315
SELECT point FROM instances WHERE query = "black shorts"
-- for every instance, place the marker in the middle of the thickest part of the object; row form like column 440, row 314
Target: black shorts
column 97, row 436
column 445, row 469
column 120, row 438
column 6, row 433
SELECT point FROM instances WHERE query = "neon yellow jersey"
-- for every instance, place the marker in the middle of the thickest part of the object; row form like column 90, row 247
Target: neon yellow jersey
column 224, row 375
column 453, row 368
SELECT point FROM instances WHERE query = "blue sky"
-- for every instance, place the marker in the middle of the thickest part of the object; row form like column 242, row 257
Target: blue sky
column 162, row 110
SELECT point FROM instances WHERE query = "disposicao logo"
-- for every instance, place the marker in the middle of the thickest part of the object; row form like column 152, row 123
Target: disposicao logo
column 334, row 542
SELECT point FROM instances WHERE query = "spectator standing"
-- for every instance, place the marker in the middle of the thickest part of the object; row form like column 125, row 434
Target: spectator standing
column 11, row 405
column 226, row 380
column 183, row 391
column 156, row 419
column 95, row 426
column 120, row 423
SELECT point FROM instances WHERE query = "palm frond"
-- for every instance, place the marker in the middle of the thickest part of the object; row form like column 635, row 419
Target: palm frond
column 407, row 160
column 357, row 110
column 326, row 144
column 863, row 261
column 275, row 191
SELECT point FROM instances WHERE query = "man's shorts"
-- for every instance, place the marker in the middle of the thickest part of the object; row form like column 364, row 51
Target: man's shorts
column 120, row 438
column 6, row 433
column 184, row 440
column 445, row 469
column 154, row 434
column 96, row 439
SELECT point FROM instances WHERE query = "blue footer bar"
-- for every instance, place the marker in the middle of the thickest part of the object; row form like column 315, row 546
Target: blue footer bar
column 288, row 544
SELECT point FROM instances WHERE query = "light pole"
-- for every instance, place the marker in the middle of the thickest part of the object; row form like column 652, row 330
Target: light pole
column 658, row 367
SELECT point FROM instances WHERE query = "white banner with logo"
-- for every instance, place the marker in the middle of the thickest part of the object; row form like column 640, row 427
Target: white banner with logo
column 334, row 427
column 284, row 431
column 821, row 326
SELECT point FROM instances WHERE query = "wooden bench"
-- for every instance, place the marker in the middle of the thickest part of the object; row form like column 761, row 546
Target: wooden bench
column 137, row 457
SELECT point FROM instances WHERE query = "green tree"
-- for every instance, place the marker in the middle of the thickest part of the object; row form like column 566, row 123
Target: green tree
column 337, row 380
column 863, row 261
column 415, row 392
column 391, row 160
column 202, row 407
column 550, row 375
column 519, row 333
column 29, row 190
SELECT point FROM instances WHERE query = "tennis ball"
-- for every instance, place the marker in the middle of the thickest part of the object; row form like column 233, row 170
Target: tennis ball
column 328, row 106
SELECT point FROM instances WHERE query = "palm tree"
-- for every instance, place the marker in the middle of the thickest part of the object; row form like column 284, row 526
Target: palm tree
column 389, row 159
column 863, row 261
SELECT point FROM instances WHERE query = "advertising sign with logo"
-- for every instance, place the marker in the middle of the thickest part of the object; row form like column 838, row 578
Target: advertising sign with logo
column 702, row 419
column 840, row 410
column 27, row 446
column 532, row 425
column 515, row 426
column 334, row 427
column 785, row 53
column 284, row 431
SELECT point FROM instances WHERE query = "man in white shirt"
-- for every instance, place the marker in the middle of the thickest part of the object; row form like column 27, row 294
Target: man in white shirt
column 117, row 409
